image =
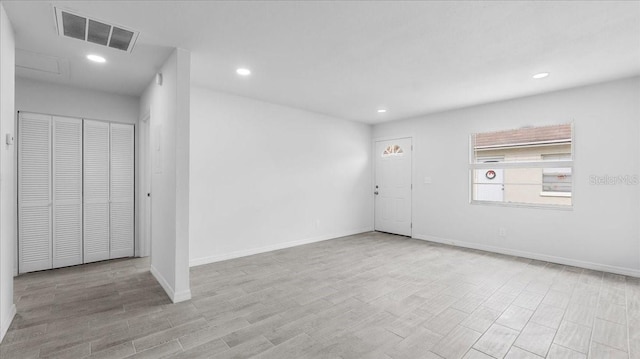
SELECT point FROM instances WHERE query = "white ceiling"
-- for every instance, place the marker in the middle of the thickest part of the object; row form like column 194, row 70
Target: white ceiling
column 347, row 59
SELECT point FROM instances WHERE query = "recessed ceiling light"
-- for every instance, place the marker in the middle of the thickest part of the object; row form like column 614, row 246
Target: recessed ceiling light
column 243, row 72
column 382, row 110
column 541, row 75
column 96, row 58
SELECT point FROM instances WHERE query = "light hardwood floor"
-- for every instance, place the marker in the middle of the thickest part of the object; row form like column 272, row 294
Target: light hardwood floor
column 371, row 295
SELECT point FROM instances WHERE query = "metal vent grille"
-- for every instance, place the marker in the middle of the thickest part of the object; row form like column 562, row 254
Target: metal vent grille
column 120, row 38
column 99, row 32
column 75, row 26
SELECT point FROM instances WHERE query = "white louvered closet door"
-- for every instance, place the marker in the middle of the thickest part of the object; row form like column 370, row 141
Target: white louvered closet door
column 96, row 191
column 122, row 162
column 67, row 191
column 34, row 192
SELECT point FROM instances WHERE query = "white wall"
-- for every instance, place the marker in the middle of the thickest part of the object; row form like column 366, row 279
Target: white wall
column 601, row 231
column 265, row 176
column 168, row 106
column 54, row 99
column 7, row 173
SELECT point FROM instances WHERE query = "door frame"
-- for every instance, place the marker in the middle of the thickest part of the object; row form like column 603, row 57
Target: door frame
column 373, row 175
column 143, row 248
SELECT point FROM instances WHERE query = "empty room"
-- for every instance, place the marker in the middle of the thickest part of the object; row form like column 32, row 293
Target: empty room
column 320, row 179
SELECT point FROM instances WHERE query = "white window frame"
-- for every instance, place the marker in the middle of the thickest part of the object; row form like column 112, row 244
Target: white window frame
column 548, row 164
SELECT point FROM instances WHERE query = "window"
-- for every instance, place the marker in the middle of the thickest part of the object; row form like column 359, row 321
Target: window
column 529, row 166
column 556, row 181
column 393, row 150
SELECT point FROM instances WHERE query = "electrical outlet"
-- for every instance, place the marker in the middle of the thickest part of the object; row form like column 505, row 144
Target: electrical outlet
column 502, row 232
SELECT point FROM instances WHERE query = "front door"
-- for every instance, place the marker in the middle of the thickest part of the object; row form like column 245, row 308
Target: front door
column 392, row 187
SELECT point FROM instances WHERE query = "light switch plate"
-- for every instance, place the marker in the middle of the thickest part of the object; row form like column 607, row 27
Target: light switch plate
column 9, row 139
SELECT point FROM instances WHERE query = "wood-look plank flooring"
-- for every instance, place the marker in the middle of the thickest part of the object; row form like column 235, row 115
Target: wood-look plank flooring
column 371, row 295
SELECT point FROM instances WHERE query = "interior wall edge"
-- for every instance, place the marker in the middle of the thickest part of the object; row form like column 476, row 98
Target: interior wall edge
column 6, row 322
column 8, row 208
column 531, row 255
column 490, row 104
column 205, row 88
column 274, row 247
column 70, row 101
column 162, row 281
column 168, row 124
column 175, row 297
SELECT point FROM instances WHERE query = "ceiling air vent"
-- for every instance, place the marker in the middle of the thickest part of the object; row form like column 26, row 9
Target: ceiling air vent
column 83, row 28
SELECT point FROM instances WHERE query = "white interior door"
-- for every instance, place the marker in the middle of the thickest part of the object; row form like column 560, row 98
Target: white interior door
column 393, row 186
column 75, row 191
column 34, row 192
column 122, row 182
column 67, row 191
column 96, row 191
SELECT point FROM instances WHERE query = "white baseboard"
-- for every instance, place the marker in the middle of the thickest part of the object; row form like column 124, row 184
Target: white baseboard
column 182, row 296
column 6, row 323
column 274, row 247
column 163, row 282
column 175, row 297
column 537, row 256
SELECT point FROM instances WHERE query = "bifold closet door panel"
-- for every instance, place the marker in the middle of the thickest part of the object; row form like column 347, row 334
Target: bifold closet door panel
column 34, row 192
column 122, row 182
column 67, row 191
column 96, row 191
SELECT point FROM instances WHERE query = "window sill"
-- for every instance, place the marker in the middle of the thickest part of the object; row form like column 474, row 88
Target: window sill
column 560, row 207
column 556, row 194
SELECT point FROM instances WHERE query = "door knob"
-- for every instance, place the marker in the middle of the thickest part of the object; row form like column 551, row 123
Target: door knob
column 376, row 193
